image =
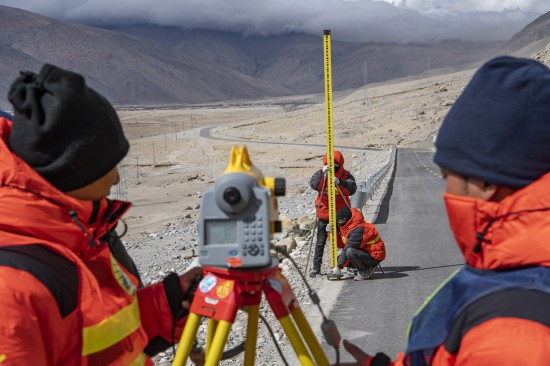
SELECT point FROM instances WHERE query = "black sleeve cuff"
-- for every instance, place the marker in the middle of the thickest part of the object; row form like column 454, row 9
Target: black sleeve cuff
column 156, row 345
column 174, row 294
column 380, row 359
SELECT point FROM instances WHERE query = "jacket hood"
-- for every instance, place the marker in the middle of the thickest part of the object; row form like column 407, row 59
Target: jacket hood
column 32, row 211
column 338, row 158
column 356, row 219
column 497, row 235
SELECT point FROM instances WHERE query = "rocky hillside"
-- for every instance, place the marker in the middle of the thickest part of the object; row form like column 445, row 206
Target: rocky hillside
column 543, row 55
column 127, row 69
column 148, row 65
column 295, row 60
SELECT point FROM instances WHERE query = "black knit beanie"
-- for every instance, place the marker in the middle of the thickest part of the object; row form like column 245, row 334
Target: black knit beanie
column 66, row 131
column 343, row 213
column 499, row 128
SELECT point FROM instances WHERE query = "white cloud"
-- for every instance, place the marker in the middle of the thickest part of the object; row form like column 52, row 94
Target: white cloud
column 533, row 6
column 360, row 20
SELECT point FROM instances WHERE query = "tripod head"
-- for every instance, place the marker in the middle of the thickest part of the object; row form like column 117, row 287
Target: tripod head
column 239, row 215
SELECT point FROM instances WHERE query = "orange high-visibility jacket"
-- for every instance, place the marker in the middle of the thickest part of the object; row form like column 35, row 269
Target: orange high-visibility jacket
column 65, row 299
column 362, row 235
column 347, row 185
column 516, row 234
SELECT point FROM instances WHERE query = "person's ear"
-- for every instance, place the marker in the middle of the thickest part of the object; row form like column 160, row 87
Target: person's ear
column 496, row 193
column 489, row 191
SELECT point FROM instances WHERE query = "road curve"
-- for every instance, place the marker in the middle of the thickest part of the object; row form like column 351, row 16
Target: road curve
column 205, row 133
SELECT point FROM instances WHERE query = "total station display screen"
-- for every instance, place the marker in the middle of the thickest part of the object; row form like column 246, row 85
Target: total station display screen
column 220, row 232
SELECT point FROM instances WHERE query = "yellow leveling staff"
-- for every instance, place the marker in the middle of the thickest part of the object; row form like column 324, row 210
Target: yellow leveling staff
column 330, row 148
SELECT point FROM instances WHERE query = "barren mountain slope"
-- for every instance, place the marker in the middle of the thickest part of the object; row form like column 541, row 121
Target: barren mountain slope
column 127, row 69
column 536, row 34
column 151, row 65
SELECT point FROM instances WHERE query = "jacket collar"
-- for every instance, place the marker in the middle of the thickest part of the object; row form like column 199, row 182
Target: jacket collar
column 512, row 233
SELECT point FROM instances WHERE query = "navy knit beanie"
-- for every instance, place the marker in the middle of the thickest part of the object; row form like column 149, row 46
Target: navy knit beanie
column 66, row 131
column 6, row 115
column 498, row 130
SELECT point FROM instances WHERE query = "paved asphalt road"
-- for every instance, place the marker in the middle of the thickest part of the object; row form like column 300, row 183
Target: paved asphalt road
column 421, row 253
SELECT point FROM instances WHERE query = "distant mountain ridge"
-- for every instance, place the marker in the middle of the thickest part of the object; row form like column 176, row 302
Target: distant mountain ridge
column 530, row 39
column 296, row 60
column 152, row 65
column 127, row 69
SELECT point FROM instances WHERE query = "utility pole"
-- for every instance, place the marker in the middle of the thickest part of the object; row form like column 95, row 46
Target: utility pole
column 365, row 82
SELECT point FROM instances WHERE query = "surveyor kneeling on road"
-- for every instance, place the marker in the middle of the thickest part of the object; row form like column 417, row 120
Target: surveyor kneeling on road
column 363, row 247
column 70, row 293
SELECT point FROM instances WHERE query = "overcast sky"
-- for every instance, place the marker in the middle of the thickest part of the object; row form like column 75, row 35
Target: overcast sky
column 351, row 20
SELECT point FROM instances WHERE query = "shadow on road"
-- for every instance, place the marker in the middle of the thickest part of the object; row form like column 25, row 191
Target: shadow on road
column 384, row 210
column 399, row 271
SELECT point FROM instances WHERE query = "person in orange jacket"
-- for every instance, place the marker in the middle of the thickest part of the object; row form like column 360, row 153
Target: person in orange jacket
column 363, row 247
column 494, row 152
column 71, row 294
column 345, row 186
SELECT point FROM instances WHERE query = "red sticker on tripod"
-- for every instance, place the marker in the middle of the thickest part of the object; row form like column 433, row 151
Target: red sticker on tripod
column 234, row 261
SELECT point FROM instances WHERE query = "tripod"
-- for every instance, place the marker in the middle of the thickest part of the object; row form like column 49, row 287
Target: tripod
column 220, row 295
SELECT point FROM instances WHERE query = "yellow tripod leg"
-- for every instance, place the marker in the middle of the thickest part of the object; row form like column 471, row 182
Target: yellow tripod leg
column 296, row 341
column 187, row 339
column 309, row 336
column 210, row 331
column 251, row 335
column 214, row 354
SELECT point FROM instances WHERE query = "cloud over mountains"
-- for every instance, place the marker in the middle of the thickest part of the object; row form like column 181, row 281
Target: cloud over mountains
column 399, row 21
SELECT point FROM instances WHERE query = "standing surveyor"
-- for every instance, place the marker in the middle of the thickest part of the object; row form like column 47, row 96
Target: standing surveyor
column 345, row 186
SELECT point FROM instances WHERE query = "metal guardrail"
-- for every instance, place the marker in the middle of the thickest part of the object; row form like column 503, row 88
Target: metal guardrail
column 366, row 188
